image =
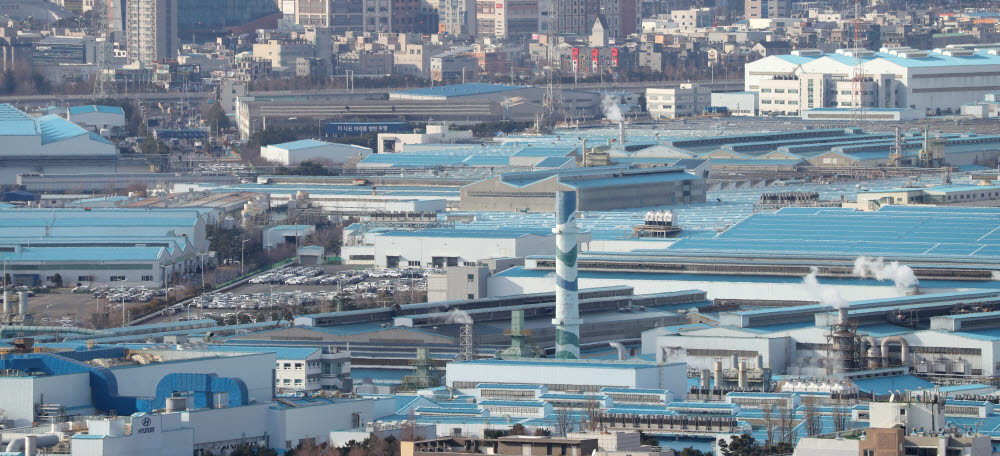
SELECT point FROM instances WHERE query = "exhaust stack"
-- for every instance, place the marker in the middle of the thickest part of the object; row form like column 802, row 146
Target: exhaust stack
column 567, row 318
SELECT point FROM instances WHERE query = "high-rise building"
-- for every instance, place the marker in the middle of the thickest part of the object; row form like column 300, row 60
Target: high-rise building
column 212, row 17
column 414, row 16
column 507, row 18
column 764, row 9
column 151, row 30
column 340, row 15
column 575, row 17
column 457, row 17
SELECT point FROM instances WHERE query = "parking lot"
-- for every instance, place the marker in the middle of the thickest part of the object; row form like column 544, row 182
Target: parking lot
column 273, row 294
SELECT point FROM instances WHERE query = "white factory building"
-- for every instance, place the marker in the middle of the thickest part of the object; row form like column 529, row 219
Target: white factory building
column 296, row 152
column 925, row 81
column 441, row 247
column 97, row 118
column 49, row 144
column 582, row 375
column 286, row 234
column 795, row 340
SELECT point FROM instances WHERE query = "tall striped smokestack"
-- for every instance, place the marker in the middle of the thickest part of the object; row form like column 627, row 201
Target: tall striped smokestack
column 567, row 318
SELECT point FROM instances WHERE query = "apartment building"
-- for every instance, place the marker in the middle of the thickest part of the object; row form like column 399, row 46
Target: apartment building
column 151, row 30
column 685, row 100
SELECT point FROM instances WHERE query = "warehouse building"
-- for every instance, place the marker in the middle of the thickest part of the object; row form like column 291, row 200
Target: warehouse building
column 936, row 81
column 97, row 118
column 295, row 152
column 126, row 247
column 50, row 144
column 598, row 188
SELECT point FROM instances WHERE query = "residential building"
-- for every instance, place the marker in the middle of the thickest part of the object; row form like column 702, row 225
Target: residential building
column 457, row 17
column 151, row 30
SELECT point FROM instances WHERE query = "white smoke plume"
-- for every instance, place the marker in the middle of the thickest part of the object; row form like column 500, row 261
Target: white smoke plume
column 609, row 106
column 900, row 274
column 458, row 317
column 824, row 293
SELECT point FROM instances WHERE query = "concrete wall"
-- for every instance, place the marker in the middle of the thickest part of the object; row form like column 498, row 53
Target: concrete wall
column 289, row 426
column 225, row 424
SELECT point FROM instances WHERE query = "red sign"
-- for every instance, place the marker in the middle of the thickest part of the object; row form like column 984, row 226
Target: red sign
column 576, row 52
column 595, row 52
column 499, row 5
column 614, row 52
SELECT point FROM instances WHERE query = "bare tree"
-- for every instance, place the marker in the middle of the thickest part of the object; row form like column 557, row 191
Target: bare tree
column 767, row 412
column 592, row 413
column 813, row 425
column 787, row 424
column 564, row 423
column 379, row 447
column 839, row 416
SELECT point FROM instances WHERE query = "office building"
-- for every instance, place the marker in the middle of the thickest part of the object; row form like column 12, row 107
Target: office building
column 457, row 17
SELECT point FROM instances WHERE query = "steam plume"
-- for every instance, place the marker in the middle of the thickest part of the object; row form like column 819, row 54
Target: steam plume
column 824, row 293
column 900, row 274
column 609, row 106
column 458, row 317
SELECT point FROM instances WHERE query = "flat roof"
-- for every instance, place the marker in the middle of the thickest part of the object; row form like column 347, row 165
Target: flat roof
column 458, row 90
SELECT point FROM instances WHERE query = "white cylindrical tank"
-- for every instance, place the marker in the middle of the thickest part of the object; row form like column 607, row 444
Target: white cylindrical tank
column 22, row 302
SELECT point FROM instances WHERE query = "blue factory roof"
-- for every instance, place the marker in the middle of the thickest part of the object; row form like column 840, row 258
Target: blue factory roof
column 514, row 403
column 473, row 234
column 73, row 110
column 290, row 227
column 300, row 144
column 507, row 386
column 893, row 232
column 933, row 59
column 554, row 162
column 55, row 129
column 545, row 152
column 886, row 385
column 14, row 122
column 561, row 363
column 85, row 254
column 632, row 390
column 458, row 90
column 958, row 388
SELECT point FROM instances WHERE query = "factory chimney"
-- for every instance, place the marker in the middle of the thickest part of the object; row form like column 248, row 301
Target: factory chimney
column 6, row 301
column 621, row 132
column 705, row 379
column 567, row 318
column 718, row 374
column 742, row 378
column 842, row 316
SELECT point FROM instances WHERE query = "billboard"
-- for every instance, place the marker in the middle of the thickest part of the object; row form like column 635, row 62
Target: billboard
column 341, row 129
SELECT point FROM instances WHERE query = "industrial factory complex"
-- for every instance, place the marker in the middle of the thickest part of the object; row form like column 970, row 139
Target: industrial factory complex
column 612, row 290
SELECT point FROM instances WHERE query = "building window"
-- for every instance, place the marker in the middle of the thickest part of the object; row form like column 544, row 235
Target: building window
column 472, row 296
column 117, row 278
column 147, row 278
column 413, row 263
column 85, row 279
column 471, row 277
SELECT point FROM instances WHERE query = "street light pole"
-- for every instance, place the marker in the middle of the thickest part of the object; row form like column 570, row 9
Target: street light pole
column 202, row 255
column 243, row 248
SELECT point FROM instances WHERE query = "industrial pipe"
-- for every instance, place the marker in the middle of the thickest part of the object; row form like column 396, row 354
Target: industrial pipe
column 622, row 355
column 52, row 329
column 904, row 349
column 29, row 444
